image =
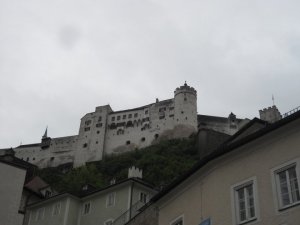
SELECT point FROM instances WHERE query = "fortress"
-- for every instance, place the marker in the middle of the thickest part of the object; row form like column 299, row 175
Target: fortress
column 104, row 131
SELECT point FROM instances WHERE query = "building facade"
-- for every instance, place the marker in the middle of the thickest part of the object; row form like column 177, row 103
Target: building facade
column 115, row 204
column 254, row 180
column 11, row 193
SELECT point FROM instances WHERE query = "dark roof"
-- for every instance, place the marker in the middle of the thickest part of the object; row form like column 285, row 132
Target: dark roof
column 224, row 149
column 95, row 191
column 36, row 184
column 140, row 181
column 246, row 127
column 29, row 145
column 12, row 160
column 211, row 119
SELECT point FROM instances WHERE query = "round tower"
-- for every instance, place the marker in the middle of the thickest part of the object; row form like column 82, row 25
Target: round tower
column 185, row 102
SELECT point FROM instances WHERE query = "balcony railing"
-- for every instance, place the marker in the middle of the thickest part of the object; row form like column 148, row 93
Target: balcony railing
column 291, row 112
column 126, row 216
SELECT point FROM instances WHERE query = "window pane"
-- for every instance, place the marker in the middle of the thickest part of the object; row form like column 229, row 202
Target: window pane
column 294, row 184
column 284, row 188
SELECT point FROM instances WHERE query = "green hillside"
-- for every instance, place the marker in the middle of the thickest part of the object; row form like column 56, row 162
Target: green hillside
column 161, row 163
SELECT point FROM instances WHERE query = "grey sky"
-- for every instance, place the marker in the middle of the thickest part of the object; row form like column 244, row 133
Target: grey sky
column 61, row 59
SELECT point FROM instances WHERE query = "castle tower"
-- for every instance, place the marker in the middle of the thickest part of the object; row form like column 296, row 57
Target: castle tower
column 270, row 114
column 46, row 141
column 185, row 102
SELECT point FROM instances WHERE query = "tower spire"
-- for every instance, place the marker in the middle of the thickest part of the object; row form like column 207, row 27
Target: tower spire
column 273, row 99
column 46, row 133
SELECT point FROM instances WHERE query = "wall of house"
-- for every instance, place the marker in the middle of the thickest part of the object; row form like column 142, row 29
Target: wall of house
column 12, row 180
column 99, row 211
column 48, row 218
column 208, row 193
column 74, row 212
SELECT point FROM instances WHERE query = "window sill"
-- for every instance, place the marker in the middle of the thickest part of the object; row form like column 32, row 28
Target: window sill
column 289, row 206
column 248, row 221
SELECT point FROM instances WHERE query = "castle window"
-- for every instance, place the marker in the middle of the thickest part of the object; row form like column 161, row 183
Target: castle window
column 52, row 158
column 33, row 158
column 118, row 117
column 87, row 128
column 127, row 142
column 99, row 125
column 185, row 118
column 113, row 118
column 171, row 108
column 161, row 117
column 171, row 115
column 124, row 117
column 100, row 118
column 135, row 115
column 96, row 142
column 143, row 139
column 88, row 122
column 120, row 131
column 156, row 136
column 84, row 145
column 146, row 112
column 98, row 132
column 130, row 116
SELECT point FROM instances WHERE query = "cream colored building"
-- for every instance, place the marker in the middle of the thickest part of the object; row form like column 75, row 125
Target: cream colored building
column 12, row 180
column 115, row 204
column 254, row 180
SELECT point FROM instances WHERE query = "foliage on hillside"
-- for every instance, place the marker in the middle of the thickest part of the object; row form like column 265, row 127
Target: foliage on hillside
column 161, row 163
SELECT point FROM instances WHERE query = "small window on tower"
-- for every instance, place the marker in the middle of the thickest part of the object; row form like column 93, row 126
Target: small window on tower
column 130, row 116
column 127, row 142
column 113, row 118
column 124, row 117
column 135, row 115
column 118, row 117
column 100, row 118
column 146, row 112
column 84, row 145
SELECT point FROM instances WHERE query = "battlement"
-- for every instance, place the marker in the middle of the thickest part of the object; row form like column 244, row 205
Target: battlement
column 185, row 89
column 270, row 114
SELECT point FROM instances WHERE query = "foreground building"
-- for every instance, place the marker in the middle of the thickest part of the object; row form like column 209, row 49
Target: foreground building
column 115, row 204
column 254, row 178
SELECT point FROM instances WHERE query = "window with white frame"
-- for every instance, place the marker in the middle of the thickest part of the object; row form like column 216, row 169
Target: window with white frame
column 110, row 199
column 287, row 185
column 244, row 197
column 40, row 214
column 143, row 197
column 86, row 208
column 177, row 221
column 108, row 222
column 56, row 209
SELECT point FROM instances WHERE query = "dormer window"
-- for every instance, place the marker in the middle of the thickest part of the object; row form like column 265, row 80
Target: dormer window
column 48, row 194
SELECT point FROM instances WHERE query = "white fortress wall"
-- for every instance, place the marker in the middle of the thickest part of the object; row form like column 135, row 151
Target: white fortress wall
column 105, row 131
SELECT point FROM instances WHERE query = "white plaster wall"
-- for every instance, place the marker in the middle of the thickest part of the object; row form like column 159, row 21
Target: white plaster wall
column 12, row 180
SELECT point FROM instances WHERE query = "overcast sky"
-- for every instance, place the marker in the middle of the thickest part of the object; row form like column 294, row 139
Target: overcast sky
column 60, row 59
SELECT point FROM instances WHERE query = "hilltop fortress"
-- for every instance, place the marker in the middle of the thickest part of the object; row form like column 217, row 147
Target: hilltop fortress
column 104, row 131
